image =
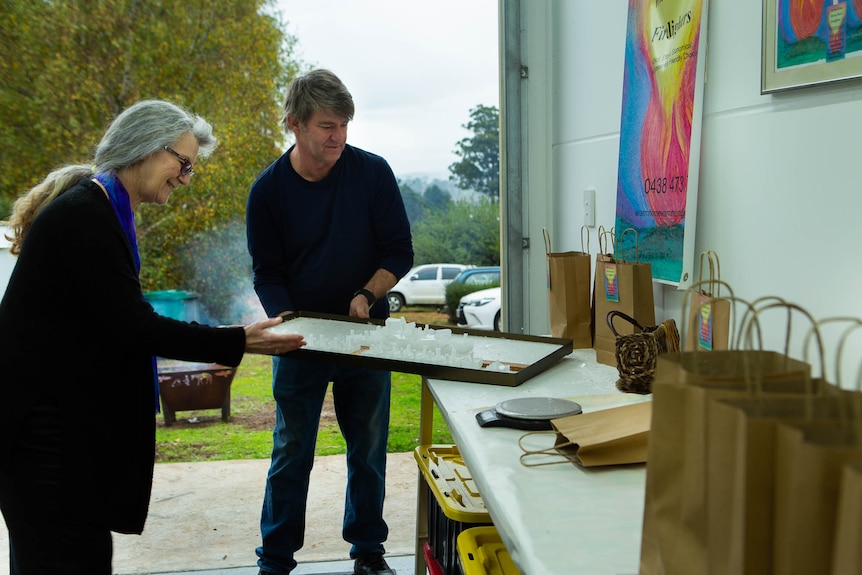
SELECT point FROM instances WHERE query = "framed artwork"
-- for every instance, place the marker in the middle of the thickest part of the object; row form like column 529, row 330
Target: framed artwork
column 810, row 42
column 659, row 159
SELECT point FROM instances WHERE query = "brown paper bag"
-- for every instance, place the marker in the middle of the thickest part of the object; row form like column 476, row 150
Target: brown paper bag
column 809, row 463
column 708, row 322
column 674, row 534
column 740, row 474
column 847, row 552
column 741, row 460
column 605, row 239
column 615, row 436
column 624, row 286
column 569, row 282
column 607, row 437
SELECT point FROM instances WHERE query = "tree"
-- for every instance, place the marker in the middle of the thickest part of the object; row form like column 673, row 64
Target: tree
column 67, row 68
column 414, row 203
column 479, row 167
column 437, row 199
column 468, row 232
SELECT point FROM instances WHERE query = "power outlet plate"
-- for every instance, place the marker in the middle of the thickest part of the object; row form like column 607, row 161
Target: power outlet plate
column 590, row 208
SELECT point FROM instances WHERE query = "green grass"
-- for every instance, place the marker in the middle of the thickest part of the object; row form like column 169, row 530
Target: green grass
column 248, row 434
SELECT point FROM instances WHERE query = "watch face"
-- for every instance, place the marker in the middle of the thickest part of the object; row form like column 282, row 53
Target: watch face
column 538, row 408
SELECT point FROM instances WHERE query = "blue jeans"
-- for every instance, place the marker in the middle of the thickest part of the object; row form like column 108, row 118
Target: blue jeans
column 362, row 408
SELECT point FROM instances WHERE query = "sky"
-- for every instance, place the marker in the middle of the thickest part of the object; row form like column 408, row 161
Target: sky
column 415, row 69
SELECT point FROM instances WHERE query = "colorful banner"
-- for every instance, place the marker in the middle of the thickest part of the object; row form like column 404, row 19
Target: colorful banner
column 660, row 135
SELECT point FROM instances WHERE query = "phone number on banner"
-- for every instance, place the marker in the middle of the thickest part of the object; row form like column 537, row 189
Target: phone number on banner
column 663, row 185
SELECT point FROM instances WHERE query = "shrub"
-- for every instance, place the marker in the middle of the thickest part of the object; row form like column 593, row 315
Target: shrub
column 454, row 293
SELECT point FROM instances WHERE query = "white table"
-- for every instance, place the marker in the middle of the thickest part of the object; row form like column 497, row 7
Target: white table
column 554, row 519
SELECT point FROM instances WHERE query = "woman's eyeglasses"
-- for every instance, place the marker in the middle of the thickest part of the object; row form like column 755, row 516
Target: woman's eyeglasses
column 186, row 168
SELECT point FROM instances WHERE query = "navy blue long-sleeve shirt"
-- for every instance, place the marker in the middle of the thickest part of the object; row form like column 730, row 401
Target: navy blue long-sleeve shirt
column 313, row 244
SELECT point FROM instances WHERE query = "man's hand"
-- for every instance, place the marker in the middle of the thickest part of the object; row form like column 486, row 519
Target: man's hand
column 359, row 306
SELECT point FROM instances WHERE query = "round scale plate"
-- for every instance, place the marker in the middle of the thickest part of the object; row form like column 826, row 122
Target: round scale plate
column 538, row 408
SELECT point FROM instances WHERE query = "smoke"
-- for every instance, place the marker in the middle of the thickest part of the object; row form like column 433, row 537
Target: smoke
column 218, row 267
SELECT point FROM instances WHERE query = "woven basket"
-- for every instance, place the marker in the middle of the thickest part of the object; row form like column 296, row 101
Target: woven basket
column 637, row 353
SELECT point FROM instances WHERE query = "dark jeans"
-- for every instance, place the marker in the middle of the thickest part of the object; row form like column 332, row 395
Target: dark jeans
column 45, row 538
column 361, row 399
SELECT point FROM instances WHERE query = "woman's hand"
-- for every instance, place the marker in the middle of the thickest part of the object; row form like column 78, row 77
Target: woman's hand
column 258, row 339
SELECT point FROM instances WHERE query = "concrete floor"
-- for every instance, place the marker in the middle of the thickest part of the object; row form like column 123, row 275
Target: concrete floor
column 401, row 564
column 204, row 518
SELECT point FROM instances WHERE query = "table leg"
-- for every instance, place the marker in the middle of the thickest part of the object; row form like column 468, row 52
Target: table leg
column 426, row 432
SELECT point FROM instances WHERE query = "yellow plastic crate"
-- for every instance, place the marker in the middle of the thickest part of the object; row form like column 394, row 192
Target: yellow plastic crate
column 481, row 552
column 454, row 503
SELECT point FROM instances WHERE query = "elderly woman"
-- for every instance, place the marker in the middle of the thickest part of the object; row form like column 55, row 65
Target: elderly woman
column 78, row 341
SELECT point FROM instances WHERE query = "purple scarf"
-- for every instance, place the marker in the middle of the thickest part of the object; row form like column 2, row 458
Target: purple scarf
column 123, row 208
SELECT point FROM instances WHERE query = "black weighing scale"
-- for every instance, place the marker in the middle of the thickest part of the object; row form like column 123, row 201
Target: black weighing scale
column 528, row 413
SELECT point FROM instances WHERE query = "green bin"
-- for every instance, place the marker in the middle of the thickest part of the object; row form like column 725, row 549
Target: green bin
column 176, row 304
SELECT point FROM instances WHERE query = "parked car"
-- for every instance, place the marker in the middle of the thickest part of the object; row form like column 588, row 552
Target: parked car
column 423, row 285
column 481, row 309
column 468, row 281
column 478, row 276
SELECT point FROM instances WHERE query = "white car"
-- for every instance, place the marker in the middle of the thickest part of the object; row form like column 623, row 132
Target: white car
column 424, row 285
column 481, row 309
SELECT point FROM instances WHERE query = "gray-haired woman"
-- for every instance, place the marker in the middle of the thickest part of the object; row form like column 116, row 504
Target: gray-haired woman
column 78, row 390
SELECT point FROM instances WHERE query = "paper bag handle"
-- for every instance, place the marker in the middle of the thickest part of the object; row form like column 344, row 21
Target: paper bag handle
column 603, row 237
column 791, row 307
column 855, row 399
column 549, row 451
column 846, row 419
column 856, row 324
column 714, row 272
column 622, row 256
column 749, row 316
column 585, row 232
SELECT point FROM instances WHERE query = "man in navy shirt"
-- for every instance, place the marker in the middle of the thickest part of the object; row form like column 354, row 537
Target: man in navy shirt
column 327, row 232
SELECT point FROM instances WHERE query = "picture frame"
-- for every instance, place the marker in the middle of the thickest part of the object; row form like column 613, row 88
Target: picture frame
column 810, row 43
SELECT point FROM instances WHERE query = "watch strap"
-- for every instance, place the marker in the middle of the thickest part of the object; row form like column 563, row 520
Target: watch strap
column 368, row 295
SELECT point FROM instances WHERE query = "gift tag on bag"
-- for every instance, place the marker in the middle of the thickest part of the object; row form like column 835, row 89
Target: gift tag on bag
column 708, row 323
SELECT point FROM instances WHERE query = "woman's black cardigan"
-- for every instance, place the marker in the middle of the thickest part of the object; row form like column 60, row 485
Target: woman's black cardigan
column 76, row 332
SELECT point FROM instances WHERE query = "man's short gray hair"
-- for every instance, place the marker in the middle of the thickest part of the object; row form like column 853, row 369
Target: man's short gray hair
column 318, row 90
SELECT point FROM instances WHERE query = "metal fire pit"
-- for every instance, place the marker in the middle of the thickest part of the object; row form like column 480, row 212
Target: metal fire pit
column 190, row 386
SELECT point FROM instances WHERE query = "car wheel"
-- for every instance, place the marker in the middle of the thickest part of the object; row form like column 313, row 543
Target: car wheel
column 396, row 302
column 497, row 322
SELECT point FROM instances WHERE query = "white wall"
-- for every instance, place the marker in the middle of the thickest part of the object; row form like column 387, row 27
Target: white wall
column 779, row 191
column 7, row 261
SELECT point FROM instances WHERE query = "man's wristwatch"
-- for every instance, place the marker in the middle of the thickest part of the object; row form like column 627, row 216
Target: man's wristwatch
column 368, row 295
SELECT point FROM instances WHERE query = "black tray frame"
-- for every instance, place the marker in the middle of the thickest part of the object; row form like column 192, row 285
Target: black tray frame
column 432, row 371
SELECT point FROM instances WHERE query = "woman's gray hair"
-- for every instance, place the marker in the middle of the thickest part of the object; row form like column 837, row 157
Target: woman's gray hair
column 139, row 131
column 315, row 91
column 147, row 127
